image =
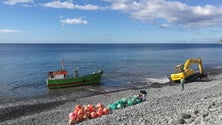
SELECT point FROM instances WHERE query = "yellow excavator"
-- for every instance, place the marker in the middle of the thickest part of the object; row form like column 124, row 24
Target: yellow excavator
column 185, row 71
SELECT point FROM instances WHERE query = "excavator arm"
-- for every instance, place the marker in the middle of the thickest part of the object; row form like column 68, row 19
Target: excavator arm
column 191, row 61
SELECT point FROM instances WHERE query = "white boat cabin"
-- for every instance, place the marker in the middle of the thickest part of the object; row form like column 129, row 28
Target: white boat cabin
column 61, row 74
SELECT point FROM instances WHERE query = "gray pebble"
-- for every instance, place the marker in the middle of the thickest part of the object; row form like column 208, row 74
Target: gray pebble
column 213, row 109
column 181, row 121
column 205, row 114
column 206, row 119
column 190, row 120
column 141, row 120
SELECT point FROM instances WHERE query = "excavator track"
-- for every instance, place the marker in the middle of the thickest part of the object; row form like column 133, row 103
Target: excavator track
column 194, row 77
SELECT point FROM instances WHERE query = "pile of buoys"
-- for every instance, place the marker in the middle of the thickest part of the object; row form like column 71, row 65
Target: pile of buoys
column 124, row 102
column 90, row 111
column 85, row 112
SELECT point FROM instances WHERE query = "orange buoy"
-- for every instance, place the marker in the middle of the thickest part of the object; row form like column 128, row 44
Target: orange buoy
column 93, row 115
column 80, row 111
column 106, row 111
column 99, row 105
column 78, row 107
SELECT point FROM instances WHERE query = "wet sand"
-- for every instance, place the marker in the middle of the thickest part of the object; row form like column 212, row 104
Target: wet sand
column 199, row 103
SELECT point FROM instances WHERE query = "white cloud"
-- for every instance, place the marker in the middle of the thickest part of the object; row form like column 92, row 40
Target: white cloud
column 74, row 21
column 14, row 2
column 174, row 12
column 164, row 25
column 69, row 5
column 9, row 31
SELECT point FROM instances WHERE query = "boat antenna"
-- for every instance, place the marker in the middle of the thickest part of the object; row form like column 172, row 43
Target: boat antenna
column 62, row 63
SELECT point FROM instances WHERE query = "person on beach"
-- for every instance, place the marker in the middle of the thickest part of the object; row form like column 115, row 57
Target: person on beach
column 182, row 82
column 142, row 95
column 76, row 72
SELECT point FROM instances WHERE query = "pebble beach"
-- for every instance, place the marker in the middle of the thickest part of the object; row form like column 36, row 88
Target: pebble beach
column 199, row 104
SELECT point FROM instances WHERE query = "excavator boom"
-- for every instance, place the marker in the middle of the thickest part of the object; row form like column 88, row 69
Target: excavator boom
column 191, row 61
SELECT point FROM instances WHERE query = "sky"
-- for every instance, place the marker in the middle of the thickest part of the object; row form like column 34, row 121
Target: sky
column 110, row 21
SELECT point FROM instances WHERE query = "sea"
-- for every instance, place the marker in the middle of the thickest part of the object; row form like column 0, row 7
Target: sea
column 24, row 67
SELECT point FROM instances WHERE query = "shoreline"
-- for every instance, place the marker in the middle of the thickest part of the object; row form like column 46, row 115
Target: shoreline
column 85, row 91
column 168, row 101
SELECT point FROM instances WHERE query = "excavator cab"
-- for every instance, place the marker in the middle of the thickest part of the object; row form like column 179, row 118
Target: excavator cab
column 179, row 68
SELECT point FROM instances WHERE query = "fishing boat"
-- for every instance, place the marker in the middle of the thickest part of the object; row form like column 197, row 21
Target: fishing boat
column 59, row 79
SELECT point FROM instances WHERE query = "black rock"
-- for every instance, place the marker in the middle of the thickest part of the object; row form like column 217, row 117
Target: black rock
column 155, row 85
column 209, row 106
column 213, row 104
column 196, row 112
column 185, row 115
